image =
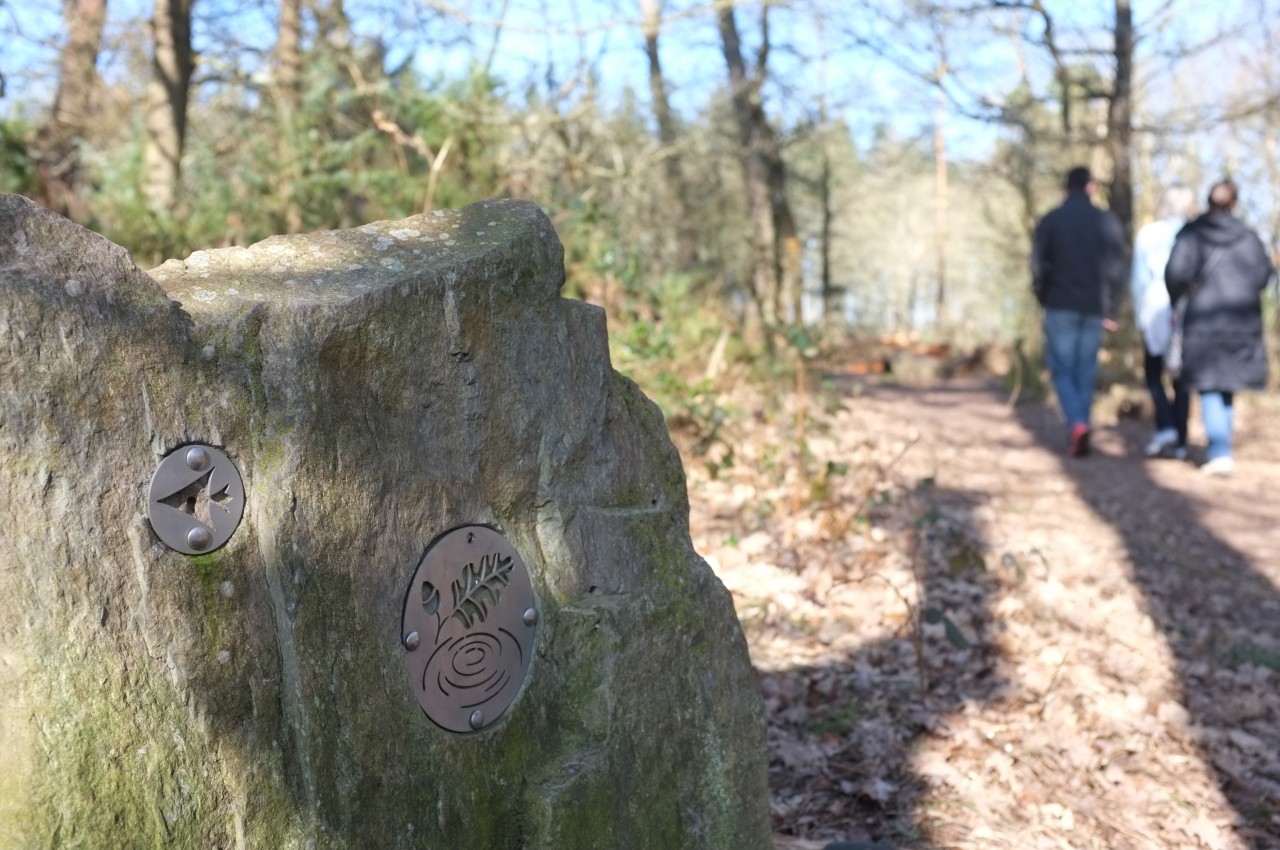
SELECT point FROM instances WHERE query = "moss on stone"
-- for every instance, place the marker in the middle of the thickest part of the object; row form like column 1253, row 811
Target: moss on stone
column 143, row 784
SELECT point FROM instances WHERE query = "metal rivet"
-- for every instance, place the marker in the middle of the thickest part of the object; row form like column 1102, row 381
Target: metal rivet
column 477, row 719
column 530, row 616
column 197, row 458
column 412, row 641
column 199, row 538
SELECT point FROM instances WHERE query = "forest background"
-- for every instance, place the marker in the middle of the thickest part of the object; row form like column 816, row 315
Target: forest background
column 751, row 183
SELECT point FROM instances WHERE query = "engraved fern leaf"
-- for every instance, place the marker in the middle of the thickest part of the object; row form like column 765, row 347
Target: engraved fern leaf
column 480, row 587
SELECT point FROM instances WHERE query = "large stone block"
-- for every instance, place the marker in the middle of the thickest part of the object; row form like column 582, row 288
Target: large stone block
column 374, row 387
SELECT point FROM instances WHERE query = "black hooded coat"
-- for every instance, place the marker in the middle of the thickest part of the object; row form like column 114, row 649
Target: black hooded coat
column 1224, row 267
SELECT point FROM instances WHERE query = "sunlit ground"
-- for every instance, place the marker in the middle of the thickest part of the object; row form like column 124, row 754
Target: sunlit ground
column 966, row 640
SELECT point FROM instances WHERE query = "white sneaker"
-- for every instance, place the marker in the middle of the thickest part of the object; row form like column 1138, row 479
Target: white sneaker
column 1161, row 442
column 1219, row 466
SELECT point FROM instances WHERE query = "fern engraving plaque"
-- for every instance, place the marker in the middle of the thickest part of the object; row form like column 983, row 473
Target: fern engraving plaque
column 469, row 624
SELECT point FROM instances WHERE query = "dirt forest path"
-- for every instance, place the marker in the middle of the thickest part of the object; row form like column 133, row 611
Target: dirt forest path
column 967, row 640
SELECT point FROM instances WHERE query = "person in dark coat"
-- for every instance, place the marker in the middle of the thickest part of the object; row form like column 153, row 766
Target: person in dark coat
column 1221, row 266
column 1079, row 267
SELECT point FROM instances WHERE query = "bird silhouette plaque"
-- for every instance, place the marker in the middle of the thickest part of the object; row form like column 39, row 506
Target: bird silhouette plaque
column 196, row 499
column 468, row 629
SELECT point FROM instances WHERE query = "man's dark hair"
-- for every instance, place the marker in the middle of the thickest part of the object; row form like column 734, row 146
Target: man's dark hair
column 1223, row 195
column 1078, row 179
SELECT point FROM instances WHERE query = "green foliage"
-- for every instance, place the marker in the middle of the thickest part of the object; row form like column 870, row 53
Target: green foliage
column 642, row 340
column 820, row 486
column 928, row 518
column 17, row 170
column 836, row 720
column 966, row 558
column 803, row 340
column 121, row 212
column 697, row 411
column 331, row 161
column 955, row 637
column 663, row 340
column 1248, row 652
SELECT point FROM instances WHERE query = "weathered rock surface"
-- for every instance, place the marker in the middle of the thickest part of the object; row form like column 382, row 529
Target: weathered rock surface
column 375, row 387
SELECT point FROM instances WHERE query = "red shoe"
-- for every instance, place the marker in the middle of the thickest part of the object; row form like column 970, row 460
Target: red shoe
column 1079, row 445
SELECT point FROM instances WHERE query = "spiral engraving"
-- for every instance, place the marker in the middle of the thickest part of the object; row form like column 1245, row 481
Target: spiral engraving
column 469, row 670
column 477, row 635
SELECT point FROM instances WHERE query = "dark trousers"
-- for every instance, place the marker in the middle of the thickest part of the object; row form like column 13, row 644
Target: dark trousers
column 1169, row 413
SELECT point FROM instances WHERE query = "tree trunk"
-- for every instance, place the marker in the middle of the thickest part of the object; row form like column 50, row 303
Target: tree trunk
column 288, row 97
column 832, row 296
column 289, row 51
column 940, row 205
column 333, row 24
column 677, row 188
column 1120, row 119
column 57, row 153
column 775, row 242
column 171, row 67
column 764, row 286
column 333, row 28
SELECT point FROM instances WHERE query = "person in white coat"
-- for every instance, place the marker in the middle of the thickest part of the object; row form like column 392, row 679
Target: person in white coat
column 1154, row 316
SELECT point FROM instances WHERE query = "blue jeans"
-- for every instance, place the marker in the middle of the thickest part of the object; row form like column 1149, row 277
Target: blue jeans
column 1071, row 342
column 1218, row 409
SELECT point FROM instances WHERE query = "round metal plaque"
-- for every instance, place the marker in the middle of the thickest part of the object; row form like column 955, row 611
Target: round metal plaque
column 196, row 499
column 469, row 627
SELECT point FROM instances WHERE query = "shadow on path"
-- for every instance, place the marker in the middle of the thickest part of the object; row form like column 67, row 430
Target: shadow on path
column 862, row 716
column 1217, row 607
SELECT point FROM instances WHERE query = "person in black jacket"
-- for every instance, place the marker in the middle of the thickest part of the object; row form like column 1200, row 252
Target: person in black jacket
column 1079, row 267
column 1221, row 266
